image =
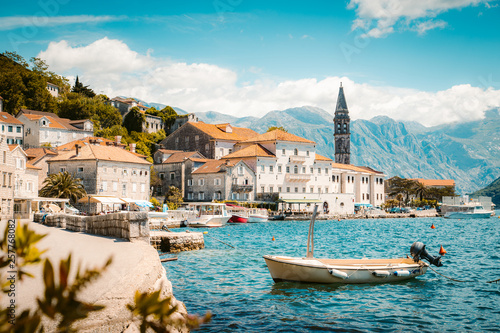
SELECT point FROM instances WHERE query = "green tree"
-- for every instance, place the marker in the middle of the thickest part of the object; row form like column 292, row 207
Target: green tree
column 173, row 197
column 81, row 89
column 420, row 190
column 405, row 187
column 272, row 128
column 134, row 119
column 63, row 185
column 167, row 114
column 111, row 132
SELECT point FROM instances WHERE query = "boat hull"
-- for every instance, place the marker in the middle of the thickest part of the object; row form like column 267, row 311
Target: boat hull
column 211, row 222
column 237, row 219
column 257, row 218
column 344, row 271
column 461, row 215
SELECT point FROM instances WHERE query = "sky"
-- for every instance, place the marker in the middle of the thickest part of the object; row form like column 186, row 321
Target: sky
column 430, row 61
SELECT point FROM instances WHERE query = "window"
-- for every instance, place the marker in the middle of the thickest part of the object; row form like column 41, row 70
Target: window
column 367, row 196
column 326, row 189
column 177, row 140
column 221, row 151
column 217, row 181
column 134, row 172
column 262, row 189
column 172, row 176
column 271, row 189
column 104, row 185
column 271, row 169
column 4, row 157
column 134, row 187
column 296, row 190
column 262, row 169
column 288, row 189
column 233, row 196
column 18, row 129
column 326, row 171
column 283, row 151
column 80, row 169
column 304, row 189
column 303, row 169
column 363, row 196
column 124, row 189
column 279, row 189
column 190, row 196
column 115, row 186
column 287, row 169
column 207, row 147
column 312, row 170
column 143, row 187
column 201, row 181
column 295, row 169
column 319, row 171
column 125, row 172
column 312, row 189
column 9, row 128
column 162, row 175
column 115, row 170
column 240, row 170
column 201, row 196
column 196, row 138
column 29, row 186
column 190, row 182
column 307, row 153
column 246, row 181
column 217, row 195
column 279, row 168
column 235, row 181
column 296, row 152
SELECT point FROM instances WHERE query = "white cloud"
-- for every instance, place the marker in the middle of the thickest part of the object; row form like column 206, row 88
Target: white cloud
column 379, row 17
column 111, row 67
column 15, row 22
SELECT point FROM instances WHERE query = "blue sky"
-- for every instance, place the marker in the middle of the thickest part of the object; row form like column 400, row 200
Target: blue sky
column 432, row 61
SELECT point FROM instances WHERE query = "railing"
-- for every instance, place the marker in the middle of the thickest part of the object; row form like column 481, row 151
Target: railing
column 241, row 188
column 297, row 178
column 297, row 159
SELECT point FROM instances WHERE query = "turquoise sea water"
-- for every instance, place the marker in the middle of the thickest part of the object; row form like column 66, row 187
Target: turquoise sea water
column 235, row 284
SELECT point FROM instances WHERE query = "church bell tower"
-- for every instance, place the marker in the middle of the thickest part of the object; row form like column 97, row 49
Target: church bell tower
column 342, row 130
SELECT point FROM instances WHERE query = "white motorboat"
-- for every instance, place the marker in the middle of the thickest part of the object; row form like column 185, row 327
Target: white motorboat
column 258, row 215
column 474, row 211
column 313, row 270
column 209, row 215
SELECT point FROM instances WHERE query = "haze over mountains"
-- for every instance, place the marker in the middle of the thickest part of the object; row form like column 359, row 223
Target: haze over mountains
column 467, row 152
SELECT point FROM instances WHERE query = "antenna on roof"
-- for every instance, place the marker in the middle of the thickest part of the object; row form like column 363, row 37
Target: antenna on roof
column 341, row 83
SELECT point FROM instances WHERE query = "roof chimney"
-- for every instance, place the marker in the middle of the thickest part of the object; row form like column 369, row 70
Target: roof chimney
column 132, row 147
column 77, row 147
column 118, row 140
column 228, row 162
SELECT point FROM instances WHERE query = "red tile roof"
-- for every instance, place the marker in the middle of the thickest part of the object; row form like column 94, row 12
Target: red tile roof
column 318, row 157
column 435, row 182
column 278, row 135
column 102, row 153
column 216, row 132
column 212, row 166
column 36, row 154
column 9, row 119
column 355, row 168
column 254, row 150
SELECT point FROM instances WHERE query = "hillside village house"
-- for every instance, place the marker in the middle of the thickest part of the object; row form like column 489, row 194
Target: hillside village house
column 38, row 157
column 152, row 123
column 213, row 141
column 12, row 128
column 174, row 168
column 106, row 170
column 180, row 120
column 53, row 89
column 18, row 181
column 45, row 128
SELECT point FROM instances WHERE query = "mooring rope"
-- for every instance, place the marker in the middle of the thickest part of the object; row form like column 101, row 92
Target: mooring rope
column 219, row 240
column 493, row 281
column 452, row 279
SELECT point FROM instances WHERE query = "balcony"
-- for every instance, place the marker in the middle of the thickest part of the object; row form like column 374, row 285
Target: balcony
column 297, row 177
column 241, row 188
column 297, row 159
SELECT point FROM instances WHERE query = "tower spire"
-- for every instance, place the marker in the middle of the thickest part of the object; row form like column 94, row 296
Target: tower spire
column 342, row 130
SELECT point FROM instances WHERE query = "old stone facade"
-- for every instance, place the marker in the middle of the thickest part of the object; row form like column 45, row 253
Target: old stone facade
column 174, row 168
column 213, row 141
column 106, row 170
column 152, row 124
column 181, row 120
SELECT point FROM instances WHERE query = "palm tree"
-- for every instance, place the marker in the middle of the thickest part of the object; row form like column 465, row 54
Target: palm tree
column 63, row 185
column 420, row 190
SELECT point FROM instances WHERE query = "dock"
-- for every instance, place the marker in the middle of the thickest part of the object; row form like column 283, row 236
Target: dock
column 175, row 242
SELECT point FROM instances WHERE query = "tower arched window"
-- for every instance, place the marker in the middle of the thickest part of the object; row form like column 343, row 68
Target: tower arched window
column 345, row 128
column 295, row 170
column 295, row 151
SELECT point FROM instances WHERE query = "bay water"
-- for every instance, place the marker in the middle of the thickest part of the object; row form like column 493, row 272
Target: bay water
column 235, row 284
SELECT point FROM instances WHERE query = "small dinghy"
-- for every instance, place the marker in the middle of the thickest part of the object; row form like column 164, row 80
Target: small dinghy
column 314, row 270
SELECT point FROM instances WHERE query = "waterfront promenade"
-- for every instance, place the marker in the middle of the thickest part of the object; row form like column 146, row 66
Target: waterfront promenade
column 136, row 266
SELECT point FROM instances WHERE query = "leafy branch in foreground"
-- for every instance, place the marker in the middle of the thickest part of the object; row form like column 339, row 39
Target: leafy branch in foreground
column 60, row 298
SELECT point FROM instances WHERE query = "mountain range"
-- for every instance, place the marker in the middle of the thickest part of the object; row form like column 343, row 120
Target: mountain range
column 467, row 152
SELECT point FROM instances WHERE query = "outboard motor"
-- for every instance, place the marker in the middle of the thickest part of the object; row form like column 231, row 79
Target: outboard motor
column 418, row 251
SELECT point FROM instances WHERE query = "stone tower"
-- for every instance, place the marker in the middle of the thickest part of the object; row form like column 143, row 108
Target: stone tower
column 342, row 130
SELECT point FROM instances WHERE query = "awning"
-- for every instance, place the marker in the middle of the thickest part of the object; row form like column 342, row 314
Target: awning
column 363, row 205
column 101, row 199
column 140, row 203
column 299, row 201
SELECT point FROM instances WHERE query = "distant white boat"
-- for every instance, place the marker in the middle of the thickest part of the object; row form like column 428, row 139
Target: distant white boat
column 258, row 215
column 468, row 211
column 209, row 215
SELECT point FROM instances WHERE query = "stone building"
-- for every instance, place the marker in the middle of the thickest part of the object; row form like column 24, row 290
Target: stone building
column 342, row 130
column 53, row 89
column 221, row 180
column 38, row 157
column 106, row 170
column 181, row 120
column 45, row 128
column 25, row 182
column 174, row 168
column 213, row 141
column 12, row 128
column 7, row 169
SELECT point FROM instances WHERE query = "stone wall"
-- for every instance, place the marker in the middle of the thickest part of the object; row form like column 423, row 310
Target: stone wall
column 128, row 225
column 175, row 242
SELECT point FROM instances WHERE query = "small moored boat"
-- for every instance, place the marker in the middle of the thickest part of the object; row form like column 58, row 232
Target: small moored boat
column 258, row 215
column 237, row 219
column 313, row 270
column 209, row 215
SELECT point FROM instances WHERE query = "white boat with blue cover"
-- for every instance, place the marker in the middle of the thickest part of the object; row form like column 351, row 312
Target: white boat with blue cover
column 475, row 211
